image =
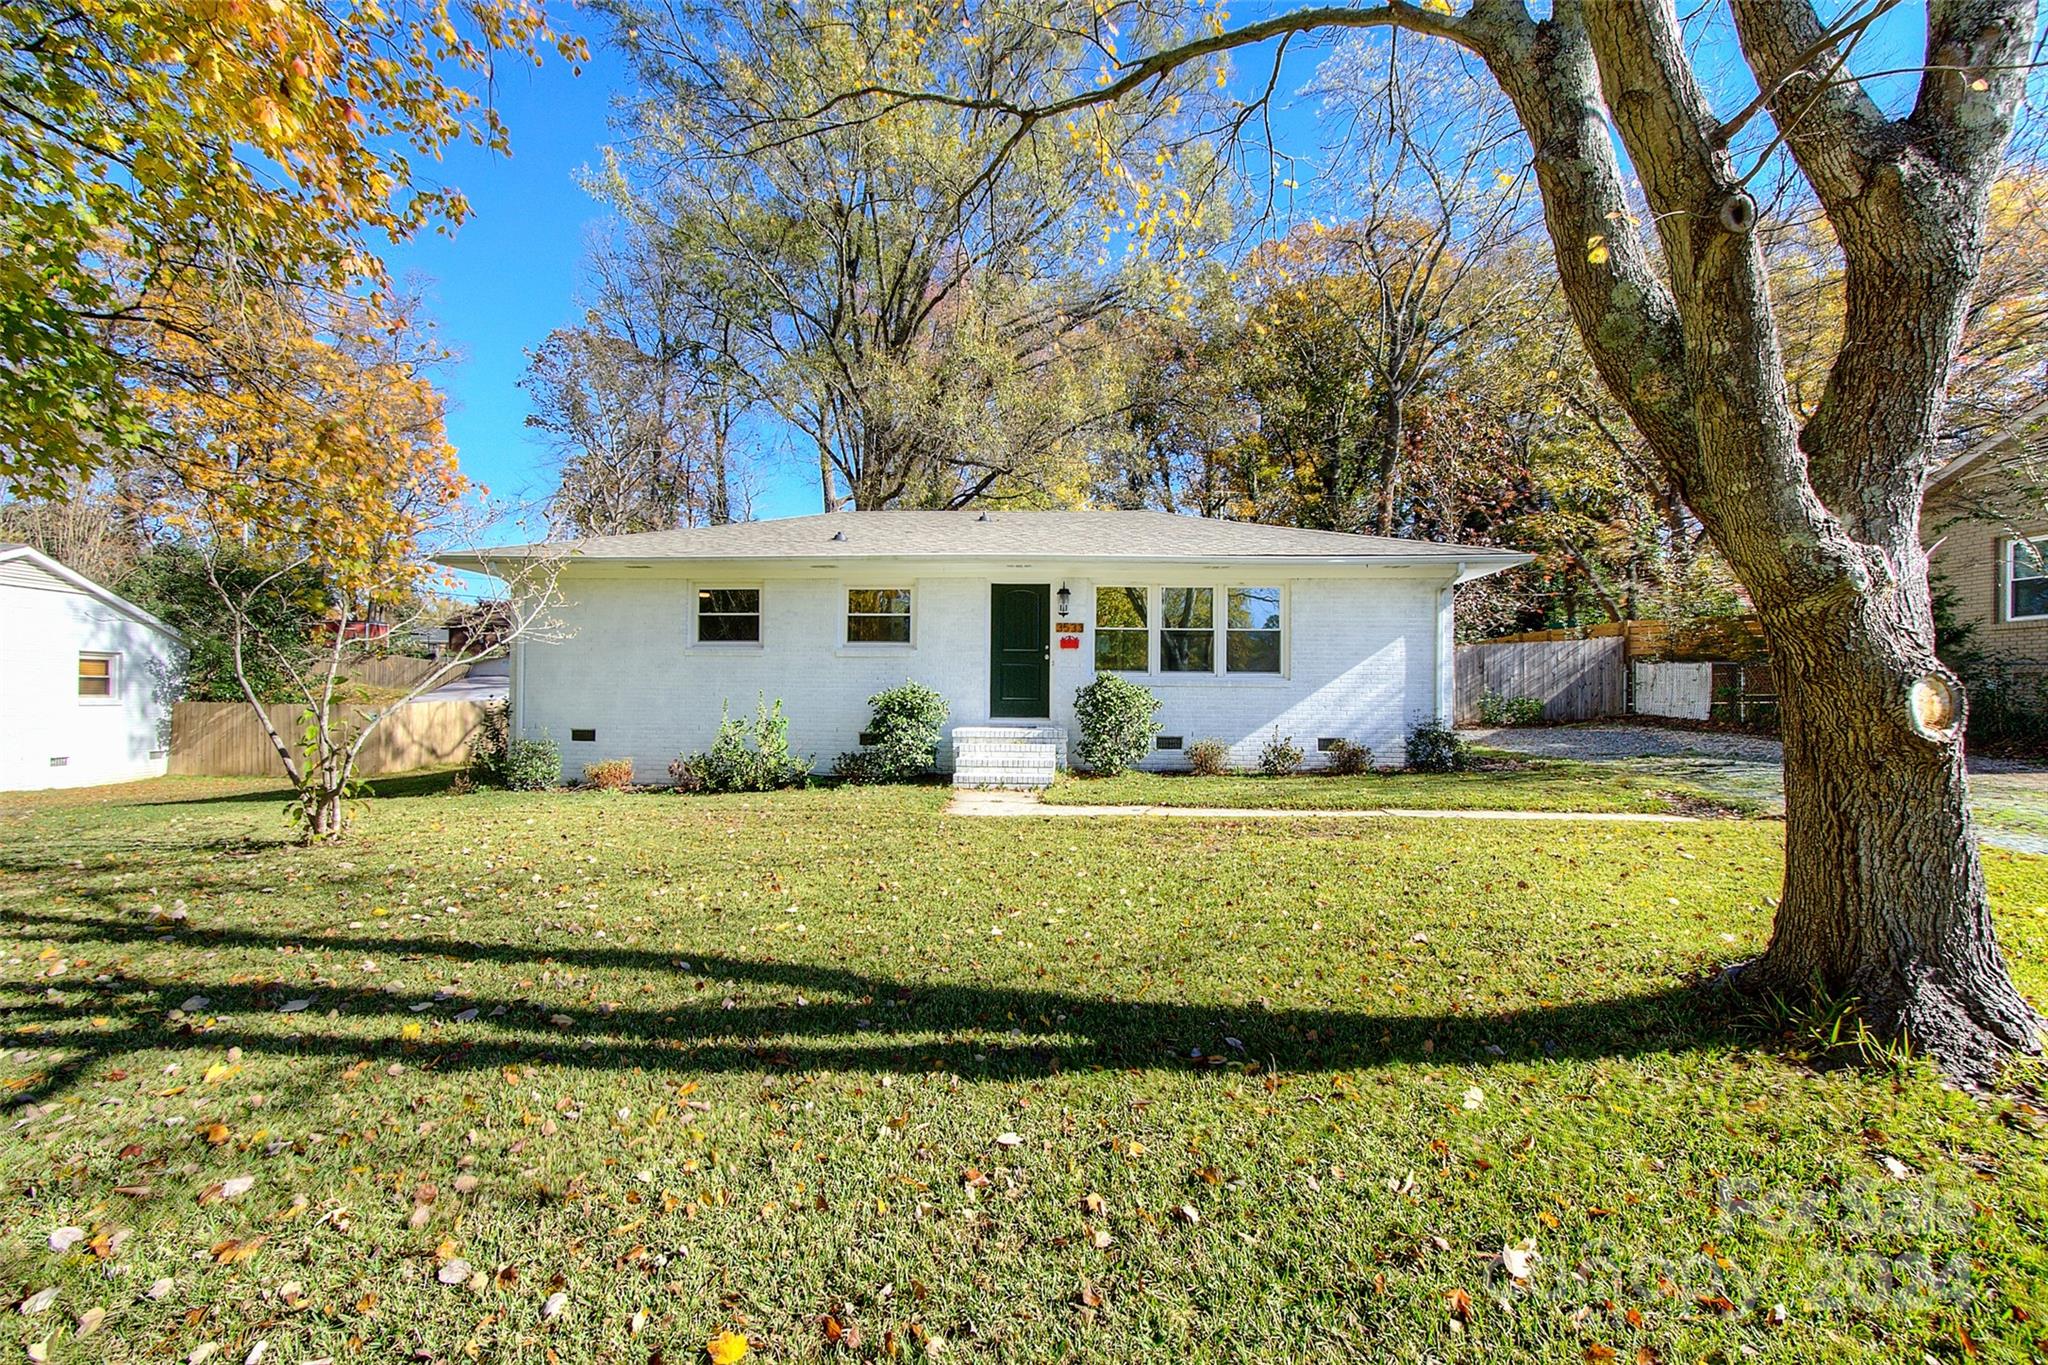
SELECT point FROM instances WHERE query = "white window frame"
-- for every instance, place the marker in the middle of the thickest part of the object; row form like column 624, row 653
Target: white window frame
column 847, row 613
column 696, row 592
column 1095, row 624
column 1223, row 629
column 113, row 697
column 2010, row 578
column 1219, row 617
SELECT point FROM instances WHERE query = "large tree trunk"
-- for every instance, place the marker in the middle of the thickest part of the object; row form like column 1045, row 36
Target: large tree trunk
column 1884, row 895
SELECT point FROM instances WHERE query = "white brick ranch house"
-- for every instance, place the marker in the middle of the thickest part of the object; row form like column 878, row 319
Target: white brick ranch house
column 1243, row 631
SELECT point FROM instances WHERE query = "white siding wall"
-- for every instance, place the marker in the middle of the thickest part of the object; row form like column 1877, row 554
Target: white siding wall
column 45, row 624
column 1362, row 663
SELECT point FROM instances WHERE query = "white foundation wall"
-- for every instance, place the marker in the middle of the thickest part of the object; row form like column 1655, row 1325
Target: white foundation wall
column 1361, row 661
column 49, row 735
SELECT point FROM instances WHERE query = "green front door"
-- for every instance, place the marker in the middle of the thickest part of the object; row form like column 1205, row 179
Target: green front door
column 1020, row 651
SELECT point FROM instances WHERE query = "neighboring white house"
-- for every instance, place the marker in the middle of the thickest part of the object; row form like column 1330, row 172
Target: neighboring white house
column 86, row 679
column 1244, row 631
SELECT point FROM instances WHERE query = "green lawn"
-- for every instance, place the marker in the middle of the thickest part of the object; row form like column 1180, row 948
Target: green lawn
column 1034, row 1089
column 1500, row 784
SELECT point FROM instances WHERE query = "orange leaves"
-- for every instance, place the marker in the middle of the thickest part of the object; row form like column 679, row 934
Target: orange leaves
column 324, row 441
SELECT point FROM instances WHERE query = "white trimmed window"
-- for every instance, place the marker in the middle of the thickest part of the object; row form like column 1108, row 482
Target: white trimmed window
column 1189, row 628
column 2026, row 580
column 1253, row 634
column 878, row 616
column 1123, row 642
column 728, row 616
column 96, row 677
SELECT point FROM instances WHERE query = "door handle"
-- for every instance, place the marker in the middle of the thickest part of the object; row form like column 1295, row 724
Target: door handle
column 1047, row 649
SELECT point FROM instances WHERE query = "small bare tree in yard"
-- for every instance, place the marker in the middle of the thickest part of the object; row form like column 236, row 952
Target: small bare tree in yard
column 328, row 481
column 1817, row 515
column 320, row 758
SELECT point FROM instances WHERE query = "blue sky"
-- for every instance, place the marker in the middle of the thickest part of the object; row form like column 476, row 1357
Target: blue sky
column 509, row 276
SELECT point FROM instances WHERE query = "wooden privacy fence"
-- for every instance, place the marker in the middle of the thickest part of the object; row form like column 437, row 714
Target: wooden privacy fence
column 396, row 670
column 224, row 738
column 1575, row 679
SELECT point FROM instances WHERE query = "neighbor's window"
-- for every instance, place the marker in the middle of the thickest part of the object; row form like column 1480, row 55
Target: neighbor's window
column 1187, row 630
column 878, row 616
column 728, row 616
column 96, row 675
column 1253, row 644
column 1122, row 642
column 2026, row 580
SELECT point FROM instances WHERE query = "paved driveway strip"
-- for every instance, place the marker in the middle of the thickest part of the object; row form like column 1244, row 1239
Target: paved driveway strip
column 2008, row 796
column 1010, row 803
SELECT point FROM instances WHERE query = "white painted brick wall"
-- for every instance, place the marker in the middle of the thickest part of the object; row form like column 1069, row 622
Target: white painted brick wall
column 1361, row 665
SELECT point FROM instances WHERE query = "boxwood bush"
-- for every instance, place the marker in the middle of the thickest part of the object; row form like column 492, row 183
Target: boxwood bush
column 1118, row 724
column 1436, row 748
column 902, row 738
column 530, row 765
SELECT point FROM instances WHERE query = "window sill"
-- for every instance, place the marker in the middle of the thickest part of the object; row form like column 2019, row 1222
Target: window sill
column 727, row 646
column 856, row 651
column 99, row 701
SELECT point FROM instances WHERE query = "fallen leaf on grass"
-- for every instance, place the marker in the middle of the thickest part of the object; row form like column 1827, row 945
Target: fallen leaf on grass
column 233, row 1187
column 236, row 1250
column 214, row 1133
column 456, row 1271
column 63, row 1239
column 39, row 1301
column 1520, row 1259
column 552, row 1309
column 89, row 1321
column 727, row 1348
column 1460, row 1304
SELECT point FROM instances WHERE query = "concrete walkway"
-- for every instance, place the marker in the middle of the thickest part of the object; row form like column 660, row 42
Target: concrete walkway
column 1013, row 803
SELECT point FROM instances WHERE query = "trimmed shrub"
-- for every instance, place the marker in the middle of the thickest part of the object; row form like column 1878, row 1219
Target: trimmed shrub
column 1209, row 757
column 1118, row 723
column 859, row 766
column 1281, row 757
column 1348, row 759
column 1436, row 748
column 531, row 765
column 609, row 775
column 744, row 756
column 1494, row 709
column 905, row 728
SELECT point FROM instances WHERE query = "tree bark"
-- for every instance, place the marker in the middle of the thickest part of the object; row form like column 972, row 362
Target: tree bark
column 1884, row 895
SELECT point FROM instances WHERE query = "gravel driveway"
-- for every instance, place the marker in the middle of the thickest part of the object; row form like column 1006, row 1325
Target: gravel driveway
column 2009, row 797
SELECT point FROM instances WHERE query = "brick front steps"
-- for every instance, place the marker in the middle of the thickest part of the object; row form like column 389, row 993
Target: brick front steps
column 1016, row 757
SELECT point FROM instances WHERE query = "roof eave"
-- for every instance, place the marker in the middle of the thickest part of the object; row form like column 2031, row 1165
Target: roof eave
column 90, row 588
column 1471, row 564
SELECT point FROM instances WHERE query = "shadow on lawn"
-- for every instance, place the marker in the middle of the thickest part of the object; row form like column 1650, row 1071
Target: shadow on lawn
column 857, row 1021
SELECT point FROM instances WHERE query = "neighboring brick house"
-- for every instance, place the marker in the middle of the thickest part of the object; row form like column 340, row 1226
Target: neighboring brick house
column 1986, row 518
column 1244, row 632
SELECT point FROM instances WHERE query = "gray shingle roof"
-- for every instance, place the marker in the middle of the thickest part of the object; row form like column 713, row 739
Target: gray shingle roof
column 1002, row 535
